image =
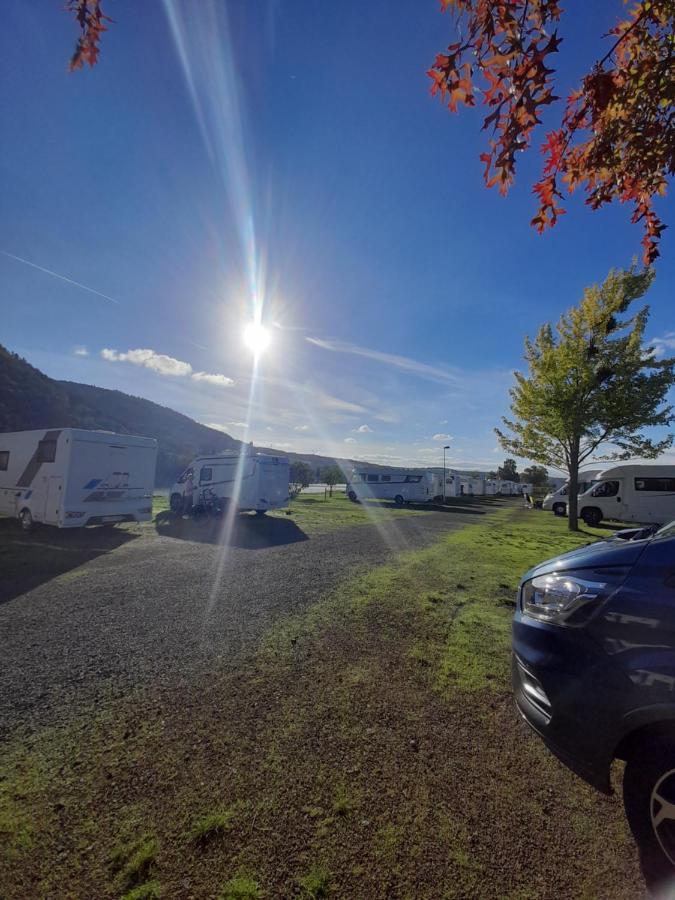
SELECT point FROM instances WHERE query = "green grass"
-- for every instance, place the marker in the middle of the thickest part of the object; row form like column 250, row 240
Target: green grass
column 133, row 862
column 151, row 890
column 212, row 826
column 314, row 515
column 316, row 883
column 242, row 887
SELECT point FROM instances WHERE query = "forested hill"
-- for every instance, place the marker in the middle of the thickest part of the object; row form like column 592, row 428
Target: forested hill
column 30, row 399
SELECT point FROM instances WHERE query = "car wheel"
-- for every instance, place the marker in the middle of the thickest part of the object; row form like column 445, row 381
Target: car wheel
column 649, row 801
column 559, row 509
column 399, row 500
column 26, row 519
column 261, row 512
column 352, row 496
column 591, row 516
column 176, row 504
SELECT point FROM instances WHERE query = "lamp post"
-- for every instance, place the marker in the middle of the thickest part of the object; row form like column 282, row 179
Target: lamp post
column 447, row 447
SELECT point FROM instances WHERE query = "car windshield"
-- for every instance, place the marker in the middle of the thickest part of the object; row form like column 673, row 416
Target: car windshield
column 667, row 530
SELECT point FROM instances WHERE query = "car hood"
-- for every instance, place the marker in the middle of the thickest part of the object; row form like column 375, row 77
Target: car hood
column 614, row 552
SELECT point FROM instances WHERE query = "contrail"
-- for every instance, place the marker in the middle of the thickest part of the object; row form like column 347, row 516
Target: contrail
column 33, row 265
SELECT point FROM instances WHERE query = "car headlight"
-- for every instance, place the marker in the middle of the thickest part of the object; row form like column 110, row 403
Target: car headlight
column 556, row 596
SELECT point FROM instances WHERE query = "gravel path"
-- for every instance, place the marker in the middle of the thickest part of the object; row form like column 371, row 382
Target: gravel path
column 163, row 607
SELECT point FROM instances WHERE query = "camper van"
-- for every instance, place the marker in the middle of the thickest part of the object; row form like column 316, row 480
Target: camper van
column 557, row 500
column 251, row 481
column 452, row 484
column 473, row 486
column 70, row 477
column 398, row 485
column 630, row 493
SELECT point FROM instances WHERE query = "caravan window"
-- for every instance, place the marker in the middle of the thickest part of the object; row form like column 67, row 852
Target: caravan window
column 386, row 478
column 4, row 460
column 655, row 484
column 606, row 489
column 373, row 478
column 206, row 473
column 46, row 451
column 184, row 477
column 413, row 479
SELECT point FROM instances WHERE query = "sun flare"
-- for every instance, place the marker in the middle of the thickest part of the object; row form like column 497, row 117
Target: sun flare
column 256, row 337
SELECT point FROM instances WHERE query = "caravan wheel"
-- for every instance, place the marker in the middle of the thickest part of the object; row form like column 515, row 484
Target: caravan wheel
column 261, row 512
column 26, row 519
column 352, row 496
column 176, row 504
column 399, row 500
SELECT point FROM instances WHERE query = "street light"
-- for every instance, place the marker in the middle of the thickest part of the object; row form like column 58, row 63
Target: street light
column 447, row 447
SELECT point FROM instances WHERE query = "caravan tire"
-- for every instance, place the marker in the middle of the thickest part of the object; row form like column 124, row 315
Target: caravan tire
column 352, row 496
column 399, row 500
column 26, row 519
column 176, row 504
column 261, row 512
column 591, row 516
column 559, row 509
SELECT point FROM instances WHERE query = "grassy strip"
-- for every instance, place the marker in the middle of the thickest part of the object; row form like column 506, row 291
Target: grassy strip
column 370, row 750
column 316, row 515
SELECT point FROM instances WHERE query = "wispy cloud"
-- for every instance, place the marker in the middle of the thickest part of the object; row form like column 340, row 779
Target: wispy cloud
column 404, row 363
column 350, row 440
column 663, row 345
column 80, row 351
column 213, row 378
column 165, row 365
column 77, row 284
column 301, row 428
column 442, row 437
column 364, row 429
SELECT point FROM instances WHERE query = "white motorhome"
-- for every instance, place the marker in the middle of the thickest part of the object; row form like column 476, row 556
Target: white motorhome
column 630, row 493
column 251, row 481
column 398, row 485
column 474, row 486
column 452, row 484
column 557, row 500
column 70, row 477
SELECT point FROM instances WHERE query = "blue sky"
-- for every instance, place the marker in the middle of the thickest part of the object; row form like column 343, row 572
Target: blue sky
column 288, row 149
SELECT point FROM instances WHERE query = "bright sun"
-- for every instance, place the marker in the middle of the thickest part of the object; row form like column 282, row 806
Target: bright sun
column 256, row 337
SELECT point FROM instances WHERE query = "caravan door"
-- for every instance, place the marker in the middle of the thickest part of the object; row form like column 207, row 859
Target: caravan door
column 53, row 497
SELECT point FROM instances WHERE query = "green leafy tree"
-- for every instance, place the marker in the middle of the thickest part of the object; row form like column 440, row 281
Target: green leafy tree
column 592, row 385
column 537, row 476
column 508, row 472
column 300, row 476
column 331, row 476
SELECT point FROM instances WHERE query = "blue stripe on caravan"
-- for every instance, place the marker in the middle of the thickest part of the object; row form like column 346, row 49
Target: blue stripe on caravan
column 91, row 484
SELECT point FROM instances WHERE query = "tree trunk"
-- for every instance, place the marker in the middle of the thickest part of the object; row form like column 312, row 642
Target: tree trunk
column 572, row 501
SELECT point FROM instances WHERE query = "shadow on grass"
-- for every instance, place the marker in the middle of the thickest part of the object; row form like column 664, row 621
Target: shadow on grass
column 250, row 532
column 28, row 560
column 465, row 505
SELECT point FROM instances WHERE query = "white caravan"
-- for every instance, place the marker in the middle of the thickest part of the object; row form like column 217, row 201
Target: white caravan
column 557, row 500
column 398, row 485
column 251, row 481
column 631, row 493
column 70, row 477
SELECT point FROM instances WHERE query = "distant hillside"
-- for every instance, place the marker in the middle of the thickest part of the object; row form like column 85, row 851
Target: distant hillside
column 30, row 399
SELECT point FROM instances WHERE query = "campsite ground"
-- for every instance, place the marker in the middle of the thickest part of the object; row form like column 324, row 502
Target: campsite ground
column 330, row 716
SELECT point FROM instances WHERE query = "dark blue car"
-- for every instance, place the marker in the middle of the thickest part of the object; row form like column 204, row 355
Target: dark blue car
column 594, row 674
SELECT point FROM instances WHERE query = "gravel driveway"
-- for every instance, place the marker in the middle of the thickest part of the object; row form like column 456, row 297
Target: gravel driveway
column 167, row 605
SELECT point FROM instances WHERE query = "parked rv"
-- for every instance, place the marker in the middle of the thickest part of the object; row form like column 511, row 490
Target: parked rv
column 251, row 481
column 474, row 486
column 398, row 485
column 557, row 500
column 452, row 484
column 630, row 493
column 71, row 477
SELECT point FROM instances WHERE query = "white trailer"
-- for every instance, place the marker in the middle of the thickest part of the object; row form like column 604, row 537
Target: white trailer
column 398, row 485
column 630, row 493
column 557, row 500
column 71, row 477
column 250, row 481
